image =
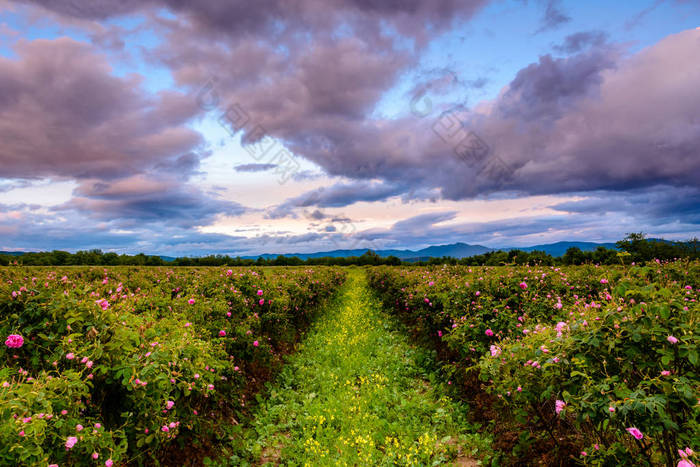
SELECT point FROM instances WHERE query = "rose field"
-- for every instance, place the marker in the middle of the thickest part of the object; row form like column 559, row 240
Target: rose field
column 388, row 365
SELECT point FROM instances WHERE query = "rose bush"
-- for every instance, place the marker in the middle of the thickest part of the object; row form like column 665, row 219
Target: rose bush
column 135, row 357
column 573, row 356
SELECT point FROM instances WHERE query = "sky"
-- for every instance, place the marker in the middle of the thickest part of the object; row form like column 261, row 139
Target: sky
column 178, row 127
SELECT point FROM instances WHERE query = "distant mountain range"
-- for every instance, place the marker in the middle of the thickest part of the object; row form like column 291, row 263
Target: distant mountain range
column 454, row 250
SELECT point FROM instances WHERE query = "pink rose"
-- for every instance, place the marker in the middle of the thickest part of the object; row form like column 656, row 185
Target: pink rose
column 672, row 340
column 14, row 341
column 70, row 442
column 635, row 432
column 559, row 406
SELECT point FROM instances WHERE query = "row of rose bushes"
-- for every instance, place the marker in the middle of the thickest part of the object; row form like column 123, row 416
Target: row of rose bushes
column 107, row 366
column 599, row 365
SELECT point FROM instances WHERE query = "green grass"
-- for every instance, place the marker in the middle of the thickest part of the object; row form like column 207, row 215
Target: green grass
column 358, row 393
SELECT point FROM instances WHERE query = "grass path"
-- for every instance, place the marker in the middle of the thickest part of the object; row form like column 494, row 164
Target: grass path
column 357, row 393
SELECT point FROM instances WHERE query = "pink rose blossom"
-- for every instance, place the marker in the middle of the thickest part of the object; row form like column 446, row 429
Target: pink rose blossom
column 489, row 332
column 635, row 432
column 70, row 442
column 260, row 292
column 169, row 405
column 70, row 355
column 222, row 333
column 672, row 340
column 14, row 341
column 256, row 343
column 191, row 301
column 109, row 463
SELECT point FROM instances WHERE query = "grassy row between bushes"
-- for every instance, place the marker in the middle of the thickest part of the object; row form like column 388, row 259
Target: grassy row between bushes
column 587, row 365
column 358, row 392
column 133, row 365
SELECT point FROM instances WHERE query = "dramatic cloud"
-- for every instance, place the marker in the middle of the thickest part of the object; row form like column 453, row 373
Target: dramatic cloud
column 619, row 130
column 63, row 114
column 598, row 121
column 137, row 200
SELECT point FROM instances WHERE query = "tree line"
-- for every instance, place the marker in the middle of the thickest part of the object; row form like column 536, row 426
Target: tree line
column 635, row 247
